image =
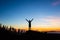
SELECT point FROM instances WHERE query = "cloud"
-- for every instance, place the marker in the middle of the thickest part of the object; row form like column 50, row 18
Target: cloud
column 56, row 3
column 52, row 20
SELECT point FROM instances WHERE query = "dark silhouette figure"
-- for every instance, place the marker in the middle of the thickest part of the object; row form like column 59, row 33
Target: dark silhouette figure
column 29, row 21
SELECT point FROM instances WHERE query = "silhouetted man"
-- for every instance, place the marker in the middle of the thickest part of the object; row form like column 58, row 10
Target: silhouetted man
column 29, row 21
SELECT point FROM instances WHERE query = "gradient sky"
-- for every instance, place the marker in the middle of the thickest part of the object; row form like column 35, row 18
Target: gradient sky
column 46, row 13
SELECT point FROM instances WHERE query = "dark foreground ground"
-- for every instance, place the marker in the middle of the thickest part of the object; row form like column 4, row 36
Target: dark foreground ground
column 29, row 35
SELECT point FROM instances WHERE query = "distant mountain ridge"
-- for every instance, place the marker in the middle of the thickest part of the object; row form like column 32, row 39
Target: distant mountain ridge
column 28, row 35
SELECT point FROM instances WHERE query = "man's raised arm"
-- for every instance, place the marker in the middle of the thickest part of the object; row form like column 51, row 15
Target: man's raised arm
column 26, row 20
column 32, row 20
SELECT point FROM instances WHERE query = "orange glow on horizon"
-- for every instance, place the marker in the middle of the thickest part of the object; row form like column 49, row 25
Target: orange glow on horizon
column 37, row 28
column 41, row 29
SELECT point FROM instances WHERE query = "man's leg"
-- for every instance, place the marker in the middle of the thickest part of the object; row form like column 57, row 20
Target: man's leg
column 29, row 28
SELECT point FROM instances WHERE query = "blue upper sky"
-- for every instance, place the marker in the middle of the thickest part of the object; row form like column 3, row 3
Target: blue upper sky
column 15, row 11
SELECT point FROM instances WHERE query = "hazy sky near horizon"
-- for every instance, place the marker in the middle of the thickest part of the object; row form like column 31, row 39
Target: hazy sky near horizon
column 44, row 12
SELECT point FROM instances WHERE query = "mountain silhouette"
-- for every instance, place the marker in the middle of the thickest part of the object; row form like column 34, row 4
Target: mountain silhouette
column 28, row 35
column 11, row 34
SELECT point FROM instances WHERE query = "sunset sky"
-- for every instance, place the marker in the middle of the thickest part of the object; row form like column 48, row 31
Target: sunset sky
column 46, row 13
